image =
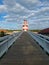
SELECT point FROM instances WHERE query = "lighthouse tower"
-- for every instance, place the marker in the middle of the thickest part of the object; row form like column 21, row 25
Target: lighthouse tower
column 25, row 26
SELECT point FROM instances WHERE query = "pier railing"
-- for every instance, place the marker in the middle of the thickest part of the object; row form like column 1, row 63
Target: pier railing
column 4, row 45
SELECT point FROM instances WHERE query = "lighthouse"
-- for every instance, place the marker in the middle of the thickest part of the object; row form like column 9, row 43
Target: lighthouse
column 25, row 26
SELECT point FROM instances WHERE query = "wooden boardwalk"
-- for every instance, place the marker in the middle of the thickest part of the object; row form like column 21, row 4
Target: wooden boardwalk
column 25, row 51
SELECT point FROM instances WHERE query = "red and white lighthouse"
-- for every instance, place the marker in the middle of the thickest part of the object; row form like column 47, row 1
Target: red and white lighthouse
column 25, row 26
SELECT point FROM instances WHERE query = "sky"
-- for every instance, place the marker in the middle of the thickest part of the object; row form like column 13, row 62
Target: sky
column 13, row 13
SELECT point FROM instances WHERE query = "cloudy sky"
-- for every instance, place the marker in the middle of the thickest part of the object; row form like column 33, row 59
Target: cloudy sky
column 13, row 12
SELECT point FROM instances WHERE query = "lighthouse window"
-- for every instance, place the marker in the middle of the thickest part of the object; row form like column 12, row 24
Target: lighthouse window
column 23, row 25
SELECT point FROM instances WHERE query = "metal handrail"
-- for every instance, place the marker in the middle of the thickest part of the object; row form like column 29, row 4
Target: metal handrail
column 41, row 41
column 4, row 46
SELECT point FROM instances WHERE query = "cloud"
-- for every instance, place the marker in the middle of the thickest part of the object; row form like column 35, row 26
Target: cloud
column 2, row 8
column 40, row 13
column 30, row 4
column 14, row 7
column 31, row 1
column 15, row 10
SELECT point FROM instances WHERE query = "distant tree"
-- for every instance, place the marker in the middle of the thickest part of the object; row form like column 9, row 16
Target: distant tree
column 2, row 33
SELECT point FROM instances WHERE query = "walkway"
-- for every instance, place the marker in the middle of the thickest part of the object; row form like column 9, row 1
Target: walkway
column 25, row 51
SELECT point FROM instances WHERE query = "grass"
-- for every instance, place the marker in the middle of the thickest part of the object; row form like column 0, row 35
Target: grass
column 35, row 30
